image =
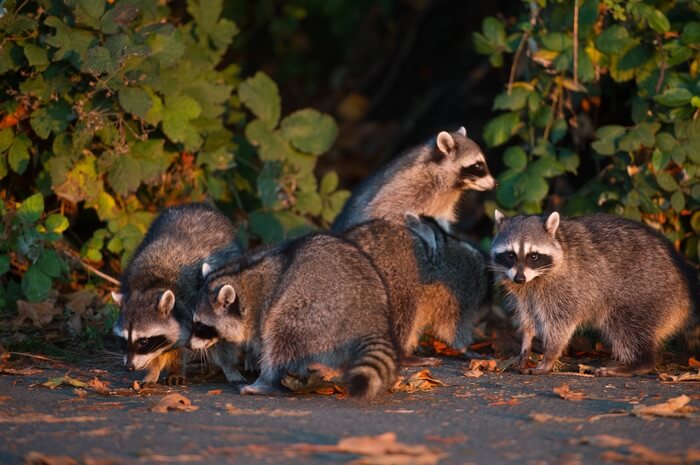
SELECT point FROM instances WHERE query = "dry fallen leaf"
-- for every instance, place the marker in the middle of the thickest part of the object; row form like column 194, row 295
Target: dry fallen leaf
column 39, row 313
column 320, row 380
column 644, row 455
column 98, row 386
column 693, row 362
column 173, row 401
column 4, row 399
column 511, row 401
column 686, row 376
column 676, row 407
column 473, row 373
column 546, row 418
column 53, row 383
column 214, row 392
column 419, row 381
column 20, row 371
column 376, row 450
column 566, row 393
column 605, row 440
column 37, row 458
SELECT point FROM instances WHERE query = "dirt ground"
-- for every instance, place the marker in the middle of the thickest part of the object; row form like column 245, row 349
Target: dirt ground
column 489, row 418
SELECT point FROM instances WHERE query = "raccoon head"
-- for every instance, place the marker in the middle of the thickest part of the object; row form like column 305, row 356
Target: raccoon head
column 146, row 326
column 462, row 163
column 219, row 313
column 525, row 247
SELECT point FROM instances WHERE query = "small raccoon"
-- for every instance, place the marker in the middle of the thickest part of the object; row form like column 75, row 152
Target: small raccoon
column 428, row 180
column 159, row 287
column 615, row 275
column 435, row 282
column 317, row 299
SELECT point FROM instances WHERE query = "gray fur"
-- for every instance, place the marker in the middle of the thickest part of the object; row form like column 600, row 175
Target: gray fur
column 613, row 274
column 317, row 299
column 168, row 259
column 424, row 181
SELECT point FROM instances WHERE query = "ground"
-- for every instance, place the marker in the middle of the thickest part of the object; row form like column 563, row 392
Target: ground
column 490, row 419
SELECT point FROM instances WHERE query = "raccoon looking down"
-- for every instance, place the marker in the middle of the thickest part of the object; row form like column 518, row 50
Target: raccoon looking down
column 159, row 287
column 613, row 274
column 428, row 180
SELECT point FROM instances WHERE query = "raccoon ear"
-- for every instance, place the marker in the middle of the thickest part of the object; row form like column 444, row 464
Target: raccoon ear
column 445, row 142
column 498, row 217
column 167, row 302
column 226, row 296
column 552, row 223
column 117, row 297
column 462, row 130
column 206, row 269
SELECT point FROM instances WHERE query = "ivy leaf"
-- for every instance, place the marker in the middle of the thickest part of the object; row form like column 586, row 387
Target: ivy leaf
column 515, row 158
column 309, row 131
column 501, row 128
column 136, row 101
column 674, row 97
column 18, row 155
column 31, row 208
column 261, row 95
column 612, row 39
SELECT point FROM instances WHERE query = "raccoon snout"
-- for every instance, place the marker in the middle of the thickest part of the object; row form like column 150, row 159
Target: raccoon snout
column 130, row 366
column 519, row 278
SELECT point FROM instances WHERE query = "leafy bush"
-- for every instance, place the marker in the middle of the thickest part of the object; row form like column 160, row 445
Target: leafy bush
column 121, row 108
column 629, row 79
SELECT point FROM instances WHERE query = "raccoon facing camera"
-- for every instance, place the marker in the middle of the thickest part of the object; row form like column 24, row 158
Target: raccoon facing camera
column 427, row 180
column 600, row 271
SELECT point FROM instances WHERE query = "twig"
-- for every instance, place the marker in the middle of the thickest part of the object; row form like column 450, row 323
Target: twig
column 40, row 357
column 516, row 60
column 572, row 373
column 576, row 8
column 102, row 275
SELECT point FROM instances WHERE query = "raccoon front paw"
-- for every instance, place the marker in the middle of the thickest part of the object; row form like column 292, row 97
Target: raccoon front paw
column 613, row 371
column 262, row 390
column 175, row 380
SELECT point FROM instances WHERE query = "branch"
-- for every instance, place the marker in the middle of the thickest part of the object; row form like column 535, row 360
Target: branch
column 576, row 8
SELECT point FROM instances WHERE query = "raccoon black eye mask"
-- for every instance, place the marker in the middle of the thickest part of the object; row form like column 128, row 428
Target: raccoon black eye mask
column 203, row 331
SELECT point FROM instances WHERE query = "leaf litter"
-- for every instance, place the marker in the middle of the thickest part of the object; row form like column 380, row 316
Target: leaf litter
column 566, row 393
column 629, row 451
column 233, row 410
column 173, row 401
column 320, row 379
column 419, row 381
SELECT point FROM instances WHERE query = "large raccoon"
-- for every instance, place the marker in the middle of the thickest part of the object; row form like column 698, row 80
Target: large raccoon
column 159, row 288
column 314, row 299
column 613, row 274
column 435, row 282
column 427, row 180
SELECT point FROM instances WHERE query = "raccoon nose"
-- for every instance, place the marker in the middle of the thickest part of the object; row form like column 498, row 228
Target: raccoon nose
column 130, row 366
column 519, row 278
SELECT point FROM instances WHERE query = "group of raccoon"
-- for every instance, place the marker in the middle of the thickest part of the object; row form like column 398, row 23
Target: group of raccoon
column 359, row 297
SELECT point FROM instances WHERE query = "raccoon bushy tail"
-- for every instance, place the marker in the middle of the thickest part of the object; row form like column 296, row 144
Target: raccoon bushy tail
column 374, row 367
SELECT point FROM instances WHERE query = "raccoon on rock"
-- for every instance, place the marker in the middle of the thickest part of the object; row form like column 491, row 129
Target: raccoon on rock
column 612, row 274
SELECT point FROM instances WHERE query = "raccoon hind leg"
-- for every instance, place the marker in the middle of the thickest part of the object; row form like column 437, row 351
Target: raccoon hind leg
column 269, row 383
column 374, row 368
column 634, row 350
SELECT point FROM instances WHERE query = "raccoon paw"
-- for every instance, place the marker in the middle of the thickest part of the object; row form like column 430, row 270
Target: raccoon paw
column 175, row 380
column 262, row 390
column 613, row 371
column 534, row 371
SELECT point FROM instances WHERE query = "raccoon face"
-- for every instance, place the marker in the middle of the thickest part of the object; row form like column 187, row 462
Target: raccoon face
column 525, row 247
column 218, row 315
column 146, row 327
column 463, row 161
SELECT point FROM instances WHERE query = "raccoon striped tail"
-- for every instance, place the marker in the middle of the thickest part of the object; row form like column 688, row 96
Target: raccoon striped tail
column 374, row 369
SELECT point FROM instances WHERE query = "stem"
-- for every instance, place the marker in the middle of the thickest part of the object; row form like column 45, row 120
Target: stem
column 516, row 60
column 576, row 8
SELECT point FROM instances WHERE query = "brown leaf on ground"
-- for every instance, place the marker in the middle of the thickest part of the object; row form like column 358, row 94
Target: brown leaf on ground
column 4, row 399
column 173, row 401
column 478, row 367
column 676, row 407
column 53, row 383
column 686, row 376
column 605, row 440
column 20, row 371
column 98, row 386
column 39, row 314
column 320, row 380
column 511, row 401
column 637, row 453
column 473, row 373
column 37, row 458
column 693, row 362
column 233, row 410
column 379, row 450
column 546, row 418
column 42, row 418
column 566, row 393
column 419, row 381
column 214, row 392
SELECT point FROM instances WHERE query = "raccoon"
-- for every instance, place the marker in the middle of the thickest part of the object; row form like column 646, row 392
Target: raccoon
column 159, row 288
column 428, row 180
column 613, row 274
column 317, row 299
column 435, row 282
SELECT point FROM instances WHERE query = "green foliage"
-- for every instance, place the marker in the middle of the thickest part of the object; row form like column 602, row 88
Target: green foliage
column 645, row 158
column 121, row 108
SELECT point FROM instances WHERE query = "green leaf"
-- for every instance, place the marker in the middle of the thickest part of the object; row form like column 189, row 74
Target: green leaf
column 50, row 263
column 508, row 183
column 513, row 102
column 678, row 201
column 135, row 100
column 18, row 155
column 309, row 131
column 533, row 187
column 72, row 43
column 31, row 208
column 4, row 264
column 52, row 118
column 309, row 203
column 546, row 167
column 36, row 56
column 177, row 116
column 607, row 136
column 658, row 21
column 329, row 183
column 691, row 33
column 660, row 159
column 88, row 12
column 559, row 129
column 271, row 145
column 501, row 128
column 36, row 284
column 6, row 138
column 569, row 160
column 612, row 39
column 674, row 97
column 666, row 181
column 57, row 223
column 261, row 95
column 98, row 61
column 494, row 31
column 125, row 174
column 634, row 58
column 515, row 158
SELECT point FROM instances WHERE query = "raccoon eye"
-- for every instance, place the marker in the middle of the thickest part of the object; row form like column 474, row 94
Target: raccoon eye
column 534, row 256
column 142, row 341
column 511, row 255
